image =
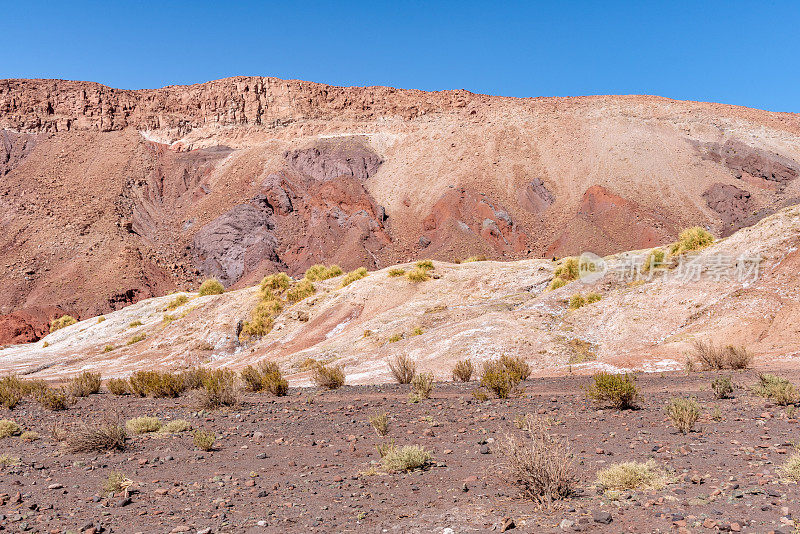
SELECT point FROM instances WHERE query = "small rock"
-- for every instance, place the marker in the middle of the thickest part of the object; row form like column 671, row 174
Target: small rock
column 604, row 518
column 484, row 449
column 507, row 524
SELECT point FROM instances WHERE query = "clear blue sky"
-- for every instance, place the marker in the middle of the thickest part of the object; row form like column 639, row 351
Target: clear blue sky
column 745, row 53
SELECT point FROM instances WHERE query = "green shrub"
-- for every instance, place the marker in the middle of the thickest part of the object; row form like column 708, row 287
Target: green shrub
column 463, row 370
column 394, row 272
column 318, row 273
column 568, row 270
column 352, row 276
column 653, row 260
column 616, row 390
column 576, row 301
column 62, row 322
column 695, row 238
column 9, row 428
column 777, row 389
column 403, row 368
column 143, row 425
column 328, row 377
column 211, row 286
column 425, row 265
column 84, row 384
column 722, row 387
column 684, row 413
column 276, row 282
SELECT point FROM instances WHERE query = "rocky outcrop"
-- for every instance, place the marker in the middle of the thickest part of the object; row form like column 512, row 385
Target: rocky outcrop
column 240, row 241
column 745, row 160
column 536, row 197
column 27, row 325
column 734, row 205
column 329, row 159
column 60, row 105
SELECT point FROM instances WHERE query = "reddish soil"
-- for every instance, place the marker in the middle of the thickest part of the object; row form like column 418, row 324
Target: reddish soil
column 299, row 464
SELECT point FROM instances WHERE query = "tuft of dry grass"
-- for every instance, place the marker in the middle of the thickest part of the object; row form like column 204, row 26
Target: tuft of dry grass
column 84, row 384
column 53, row 399
column 729, row 357
column 176, row 302
column 380, row 422
column 156, row 384
column 8, row 460
column 463, row 371
column 403, row 368
column 539, row 463
column 395, row 272
column 137, row 338
column 576, row 301
column 62, row 322
column 143, row 425
column 791, row 469
column 211, row 286
column 695, row 238
column 402, row 459
column 632, row 475
column 352, row 276
column 593, row 297
column 328, row 377
column 683, row 413
column 204, row 440
column 9, row 428
column 266, row 376
column 318, row 273
column 722, row 387
column 418, row 275
column 301, row 290
column 100, row 437
column 176, row 426
column 616, row 390
column 29, row 435
column 116, row 482
column 556, row 283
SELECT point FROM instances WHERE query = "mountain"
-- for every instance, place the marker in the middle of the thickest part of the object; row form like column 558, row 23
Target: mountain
column 110, row 196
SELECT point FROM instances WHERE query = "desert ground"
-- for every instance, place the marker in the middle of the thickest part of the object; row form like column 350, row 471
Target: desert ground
column 307, row 462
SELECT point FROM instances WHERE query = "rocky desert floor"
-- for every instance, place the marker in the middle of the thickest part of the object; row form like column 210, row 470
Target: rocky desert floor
column 308, row 462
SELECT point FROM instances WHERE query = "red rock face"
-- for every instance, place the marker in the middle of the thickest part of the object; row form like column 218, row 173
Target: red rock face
column 607, row 223
column 468, row 218
column 27, row 325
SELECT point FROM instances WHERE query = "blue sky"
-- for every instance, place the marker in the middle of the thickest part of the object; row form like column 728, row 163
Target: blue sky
column 745, row 53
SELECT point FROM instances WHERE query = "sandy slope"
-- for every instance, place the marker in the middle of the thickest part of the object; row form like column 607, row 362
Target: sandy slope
column 477, row 310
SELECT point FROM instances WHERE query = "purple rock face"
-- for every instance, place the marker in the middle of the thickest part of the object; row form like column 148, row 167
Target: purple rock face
column 13, row 149
column 236, row 242
column 740, row 158
column 536, row 197
column 329, row 160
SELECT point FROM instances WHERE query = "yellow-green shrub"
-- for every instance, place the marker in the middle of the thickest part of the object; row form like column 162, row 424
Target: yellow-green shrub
column 695, row 238
column 61, row 322
column 301, row 290
column 352, row 276
column 211, row 286
column 318, row 273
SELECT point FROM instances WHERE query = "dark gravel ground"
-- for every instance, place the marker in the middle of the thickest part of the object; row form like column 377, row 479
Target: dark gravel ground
column 305, row 463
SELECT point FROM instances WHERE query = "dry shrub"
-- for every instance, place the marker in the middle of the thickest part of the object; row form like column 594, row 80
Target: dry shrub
column 479, row 257
column 684, row 413
column 117, row 386
column 395, row 272
column 380, row 422
column 516, row 366
column 137, row 338
column 328, row 377
column 722, row 387
column 695, row 238
column 539, row 463
column 9, row 428
column 156, row 384
column 738, row 357
column 301, row 290
column 406, row 458
column 62, row 322
column 29, row 436
column 422, row 386
column 275, row 282
column 251, row 379
column 219, row 389
column 318, row 273
column 352, row 276
column 403, row 368
column 616, row 390
column 500, row 378
column 576, row 301
column 568, row 270
column 556, row 283
column 143, row 425
column 593, row 297
column 653, row 260
column 204, row 440
column 173, row 427
column 53, row 399
column 791, row 469
column 193, row 377
column 176, row 303
column 11, row 391
column 463, row 370
column 418, row 275
column 102, row 437
column 115, row 483
column 631, row 475
column 84, row 384
column 267, row 376
column 775, row 388
column 425, row 265
column 211, row 287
